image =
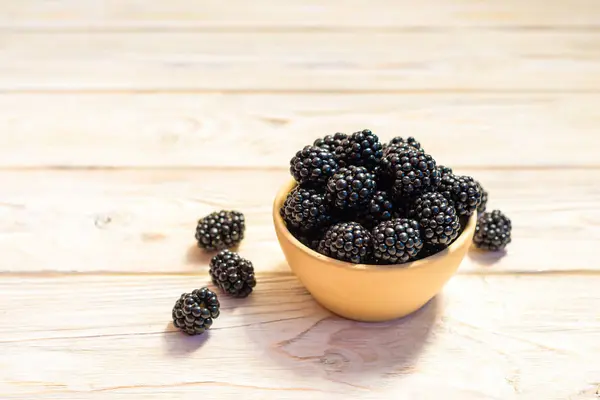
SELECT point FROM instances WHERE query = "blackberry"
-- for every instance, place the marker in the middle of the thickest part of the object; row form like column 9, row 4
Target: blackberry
column 484, row 199
column 305, row 209
column 463, row 192
column 194, row 312
column 313, row 165
column 233, row 274
column 379, row 209
column 347, row 241
column 410, row 141
column 361, row 148
column 492, row 231
column 413, row 172
column 220, row 230
column 443, row 170
column 438, row 219
column 351, row 188
column 396, row 241
column 330, row 142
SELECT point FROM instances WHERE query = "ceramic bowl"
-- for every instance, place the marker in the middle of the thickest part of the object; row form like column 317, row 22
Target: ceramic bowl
column 369, row 292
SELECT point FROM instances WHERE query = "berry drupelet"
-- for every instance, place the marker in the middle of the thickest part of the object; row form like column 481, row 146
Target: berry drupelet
column 220, row 230
column 351, row 188
column 484, row 199
column 361, row 148
column 305, row 209
column 313, row 165
column 413, row 172
column 194, row 312
column 379, row 209
column 463, row 192
column 493, row 231
column 443, row 170
column 410, row 141
column 396, row 241
column 347, row 241
column 233, row 274
column 331, row 142
column 438, row 219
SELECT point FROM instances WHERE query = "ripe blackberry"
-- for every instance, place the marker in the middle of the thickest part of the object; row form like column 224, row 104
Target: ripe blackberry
column 484, row 199
column 463, row 192
column 396, row 241
column 361, row 148
column 330, row 142
column 443, row 170
column 438, row 219
column 194, row 312
column 220, row 230
column 305, row 209
column 233, row 274
column 347, row 241
column 313, row 165
column 351, row 188
column 379, row 209
column 410, row 141
column 413, row 172
column 493, row 231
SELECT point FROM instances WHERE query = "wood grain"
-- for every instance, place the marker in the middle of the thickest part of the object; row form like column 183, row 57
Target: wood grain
column 313, row 14
column 225, row 130
column 143, row 221
column 454, row 60
column 484, row 338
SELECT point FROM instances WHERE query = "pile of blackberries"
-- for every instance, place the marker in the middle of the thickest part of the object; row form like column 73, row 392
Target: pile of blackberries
column 363, row 201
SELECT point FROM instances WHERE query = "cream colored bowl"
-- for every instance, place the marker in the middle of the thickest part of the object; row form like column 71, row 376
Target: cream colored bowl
column 369, row 292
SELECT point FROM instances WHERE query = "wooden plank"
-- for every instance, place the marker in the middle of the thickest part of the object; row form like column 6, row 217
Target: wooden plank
column 144, row 221
column 455, row 60
column 183, row 130
column 483, row 338
column 378, row 14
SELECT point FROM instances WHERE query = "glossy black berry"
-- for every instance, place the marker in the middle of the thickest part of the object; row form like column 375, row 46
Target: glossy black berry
column 347, row 241
column 484, row 199
column 443, row 170
column 463, row 192
column 493, row 231
column 396, row 241
column 351, row 188
column 379, row 209
column 412, row 171
column 313, row 165
column 220, row 230
column 331, row 142
column 232, row 274
column 410, row 141
column 305, row 209
column 194, row 312
column 438, row 219
column 361, row 148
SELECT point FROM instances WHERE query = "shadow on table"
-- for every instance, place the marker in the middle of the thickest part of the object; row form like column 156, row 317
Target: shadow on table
column 198, row 256
column 177, row 343
column 317, row 343
column 485, row 258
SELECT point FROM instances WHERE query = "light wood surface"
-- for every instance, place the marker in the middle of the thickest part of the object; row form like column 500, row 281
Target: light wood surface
column 122, row 122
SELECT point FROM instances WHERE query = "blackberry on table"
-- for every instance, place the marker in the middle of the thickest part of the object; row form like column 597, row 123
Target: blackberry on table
column 379, row 209
column 463, row 192
column 220, row 230
column 396, row 241
column 361, row 149
column 484, row 199
column 194, row 312
column 331, row 142
column 305, row 209
column 351, row 187
column 347, row 241
column 413, row 172
column 493, row 231
column 313, row 165
column 438, row 219
column 233, row 274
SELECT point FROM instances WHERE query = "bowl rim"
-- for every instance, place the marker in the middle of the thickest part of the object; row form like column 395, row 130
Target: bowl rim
column 466, row 235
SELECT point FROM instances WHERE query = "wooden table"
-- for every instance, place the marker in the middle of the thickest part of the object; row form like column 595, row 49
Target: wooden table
column 122, row 122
